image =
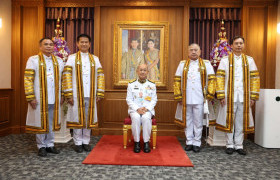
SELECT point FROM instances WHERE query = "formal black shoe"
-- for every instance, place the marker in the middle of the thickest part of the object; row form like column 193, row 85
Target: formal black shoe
column 188, row 147
column 229, row 150
column 42, row 152
column 87, row 147
column 78, row 148
column 137, row 148
column 241, row 152
column 52, row 150
column 196, row 149
column 147, row 147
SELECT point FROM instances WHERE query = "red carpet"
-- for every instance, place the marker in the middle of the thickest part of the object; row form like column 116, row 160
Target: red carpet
column 109, row 150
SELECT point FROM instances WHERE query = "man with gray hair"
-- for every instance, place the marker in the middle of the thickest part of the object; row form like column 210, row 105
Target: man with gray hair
column 141, row 99
column 194, row 83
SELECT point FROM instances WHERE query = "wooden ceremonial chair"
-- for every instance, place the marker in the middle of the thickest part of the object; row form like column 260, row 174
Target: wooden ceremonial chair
column 127, row 131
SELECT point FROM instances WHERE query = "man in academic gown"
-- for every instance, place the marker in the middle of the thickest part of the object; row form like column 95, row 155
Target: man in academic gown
column 141, row 99
column 194, row 83
column 238, row 86
column 42, row 79
column 83, row 85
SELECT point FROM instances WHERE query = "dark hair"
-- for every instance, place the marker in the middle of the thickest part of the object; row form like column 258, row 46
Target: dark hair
column 237, row 37
column 134, row 39
column 41, row 40
column 150, row 40
column 83, row 35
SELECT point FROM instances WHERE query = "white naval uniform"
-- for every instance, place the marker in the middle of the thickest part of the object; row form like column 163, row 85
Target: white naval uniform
column 141, row 95
column 194, row 101
column 47, row 140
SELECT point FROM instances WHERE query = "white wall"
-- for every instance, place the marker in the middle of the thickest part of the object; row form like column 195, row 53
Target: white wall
column 277, row 79
column 5, row 43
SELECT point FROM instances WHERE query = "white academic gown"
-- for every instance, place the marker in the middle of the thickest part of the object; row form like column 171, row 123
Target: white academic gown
column 194, row 98
column 232, row 123
column 43, row 125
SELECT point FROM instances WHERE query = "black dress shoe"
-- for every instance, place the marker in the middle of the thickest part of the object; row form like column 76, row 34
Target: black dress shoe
column 78, row 148
column 137, row 148
column 188, row 147
column 196, row 149
column 52, row 150
column 87, row 147
column 229, row 150
column 241, row 152
column 42, row 152
column 147, row 147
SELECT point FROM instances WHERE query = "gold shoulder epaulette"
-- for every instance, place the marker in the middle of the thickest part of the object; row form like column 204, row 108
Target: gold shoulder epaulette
column 183, row 61
column 205, row 60
column 151, row 81
column 248, row 56
column 132, row 81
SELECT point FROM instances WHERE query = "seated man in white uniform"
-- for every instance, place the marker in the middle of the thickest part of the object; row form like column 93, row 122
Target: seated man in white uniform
column 141, row 99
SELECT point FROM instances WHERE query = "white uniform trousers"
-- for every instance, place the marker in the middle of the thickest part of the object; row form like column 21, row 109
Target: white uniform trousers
column 47, row 140
column 146, row 121
column 82, row 136
column 235, row 139
column 193, row 131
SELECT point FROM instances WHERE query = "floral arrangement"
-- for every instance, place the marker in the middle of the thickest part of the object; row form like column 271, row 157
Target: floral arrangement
column 220, row 49
column 60, row 45
column 61, row 50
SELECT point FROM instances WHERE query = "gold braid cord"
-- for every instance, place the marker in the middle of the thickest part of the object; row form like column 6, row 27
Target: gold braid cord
column 29, row 75
column 220, row 87
column 211, row 88
column 100, row 83
column 177, row 88
column 67, row 87
column 254, row 85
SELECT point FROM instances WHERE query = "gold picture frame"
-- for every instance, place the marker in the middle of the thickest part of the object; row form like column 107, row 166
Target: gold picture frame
column 137, row 42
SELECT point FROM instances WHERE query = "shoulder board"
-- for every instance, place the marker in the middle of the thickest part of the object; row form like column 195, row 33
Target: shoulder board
column 94, row 56
column 183, row 61
column 72, row 54
column 58, row 58
column 35, row 56
column 132, row 81
column 249, row 57
column 151, row 81
column 205, row 60
column 224, row 57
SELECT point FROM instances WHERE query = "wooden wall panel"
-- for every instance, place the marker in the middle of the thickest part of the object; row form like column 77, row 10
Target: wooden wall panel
column 111, row 14
column 259, row 29
column 257, row 23
column 5, row 111
column 28, row 21
column 114, row 105
column 271, row 47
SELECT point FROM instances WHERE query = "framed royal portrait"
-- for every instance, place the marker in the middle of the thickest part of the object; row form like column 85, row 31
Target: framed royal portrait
column 140, row 42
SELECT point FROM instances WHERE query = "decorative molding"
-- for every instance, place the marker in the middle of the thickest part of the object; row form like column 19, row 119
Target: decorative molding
column 143, row 3
column 216, row 3
column 260, row 3
column 28, row 2
column 69, row 3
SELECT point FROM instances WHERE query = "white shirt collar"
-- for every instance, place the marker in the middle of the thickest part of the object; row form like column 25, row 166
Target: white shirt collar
column 47, row 57
column 84, row 54
column 194, row 61
column 237, row 57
